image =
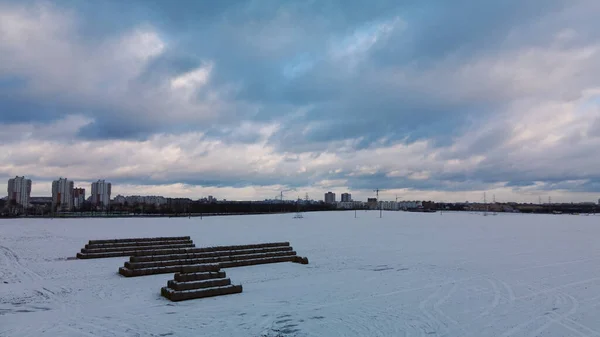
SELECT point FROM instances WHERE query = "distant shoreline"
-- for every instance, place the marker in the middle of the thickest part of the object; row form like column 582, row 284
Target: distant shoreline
column 104, row 215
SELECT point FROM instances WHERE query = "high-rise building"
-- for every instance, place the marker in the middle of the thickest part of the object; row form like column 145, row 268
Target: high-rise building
column 19, row 190
column 62, row 194
column 346, row 197
column 78, row 197
column 101, row 194
column 329, row 198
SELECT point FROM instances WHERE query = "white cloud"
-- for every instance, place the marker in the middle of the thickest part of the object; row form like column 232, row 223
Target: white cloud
column 43, row 45
column 192, row 80
column 353, row 48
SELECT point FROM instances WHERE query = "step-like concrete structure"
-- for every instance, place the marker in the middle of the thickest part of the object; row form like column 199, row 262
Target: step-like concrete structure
column 169, row 238
column 171, row 269
column 200, row 255
column 126, row 247
column 199, row 285
column 145, row 246
column 199, row 267
column 160, row 252
column 216, row 259
column 187, row 260
column 136, row 244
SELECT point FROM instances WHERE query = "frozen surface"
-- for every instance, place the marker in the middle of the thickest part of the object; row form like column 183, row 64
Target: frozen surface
column 407, row 274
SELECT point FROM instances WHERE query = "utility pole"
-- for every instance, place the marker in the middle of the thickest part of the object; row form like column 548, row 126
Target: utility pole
column 484, row 204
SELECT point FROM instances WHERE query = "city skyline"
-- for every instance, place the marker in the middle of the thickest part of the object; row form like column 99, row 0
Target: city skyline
column 343, row 196
column 498, row 97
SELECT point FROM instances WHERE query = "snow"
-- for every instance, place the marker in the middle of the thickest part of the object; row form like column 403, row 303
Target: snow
column 407, row 274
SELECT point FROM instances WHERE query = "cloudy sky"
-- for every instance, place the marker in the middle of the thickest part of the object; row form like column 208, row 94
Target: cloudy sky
column 434, row 100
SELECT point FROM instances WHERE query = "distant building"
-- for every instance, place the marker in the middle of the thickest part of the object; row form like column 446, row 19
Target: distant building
column 172, row 202
column 140, row 200
column 346, row 197
column 45, row 201
column 410, row 204
column 101, row 194
column 78, row 197
column 388, row 205
column 62, row 194
column 211, row 199
column 119, row 199
column 19, row 191
column 351, row 205
column 329, row 198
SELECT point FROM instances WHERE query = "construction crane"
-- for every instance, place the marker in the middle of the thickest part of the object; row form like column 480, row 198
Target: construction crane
column 377, row 193
column 377, row 190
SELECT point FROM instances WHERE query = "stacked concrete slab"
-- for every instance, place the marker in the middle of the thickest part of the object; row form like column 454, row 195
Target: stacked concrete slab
column 127, row 247
column 198, row 285
column 196, row 259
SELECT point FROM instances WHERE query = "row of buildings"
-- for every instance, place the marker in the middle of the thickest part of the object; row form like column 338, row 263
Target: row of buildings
column 330, row 197
column 346, row 202
column 372, row 203
column 65, row 196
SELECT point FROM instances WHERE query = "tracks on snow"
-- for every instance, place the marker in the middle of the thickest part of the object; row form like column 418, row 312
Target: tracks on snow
column 22, row 289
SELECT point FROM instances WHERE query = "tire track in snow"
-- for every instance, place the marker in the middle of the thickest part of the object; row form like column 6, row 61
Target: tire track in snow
column 495, row 301
column 440, row 302
column 428, row 313
column 509, row 290
column 565, row 320
column 12, row 269
column 558, row 320
column 552, row 317
column 532, row 320
column 494, row 304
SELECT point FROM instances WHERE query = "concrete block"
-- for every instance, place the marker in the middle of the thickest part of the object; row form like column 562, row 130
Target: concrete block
column 200, row 293
column 200, row 268
column 179, row 277
column 181, row 286
column 136, row 244
column 242, row 247
column 243, row 263
column 168, row 238
column 135, row 248
column 100, row 255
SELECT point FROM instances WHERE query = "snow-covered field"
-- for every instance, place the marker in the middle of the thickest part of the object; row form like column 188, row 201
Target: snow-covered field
column 406, row 274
